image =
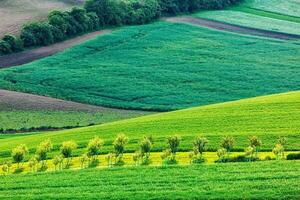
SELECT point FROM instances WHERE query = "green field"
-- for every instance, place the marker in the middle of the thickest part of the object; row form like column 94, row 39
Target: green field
column 252, row 20
column 16, row 121
column 283, row 7
column 261, row 180
column 162, row 66
column 266, row 117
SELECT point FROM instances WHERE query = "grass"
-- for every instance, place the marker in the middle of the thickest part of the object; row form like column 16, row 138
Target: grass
column 264, row 13
column 162, row 66
column 251, row 20
column 30, row 120
column 266, row 117
column 182, row 158
column 261, row 180
column 15, row 13
column 284, row 7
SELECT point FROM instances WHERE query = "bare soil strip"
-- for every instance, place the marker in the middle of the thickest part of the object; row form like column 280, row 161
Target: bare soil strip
column 233, row 28
column 10, row 100
column 35, row 54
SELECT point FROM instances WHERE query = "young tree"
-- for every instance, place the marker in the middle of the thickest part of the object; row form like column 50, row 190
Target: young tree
column 32, row 163
column 282, row 141
column 66, row 150
column 173, row 143
column 249, row 151
column 83, row 160
column 145, row 149
column 255, row 143
column 94, row 147
column 227, row 143
column 169, row 155
column 109, row 158
column 278, row 151
column 221, row 153
column 58, row 162
column 199, row 146
column 18, row 154
column 119, row 146
column 41, row 152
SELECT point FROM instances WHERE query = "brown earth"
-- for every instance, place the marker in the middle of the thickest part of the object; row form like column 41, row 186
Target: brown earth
column 10, row 100
column 232, row 28
column 38, row 53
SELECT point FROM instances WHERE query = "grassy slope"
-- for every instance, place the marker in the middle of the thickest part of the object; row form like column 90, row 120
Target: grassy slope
column 267, row 117
column 251, row 20
column 285, row 7
column 14, row 13
column 162, row 66
column 24, row 120
column 261, row 180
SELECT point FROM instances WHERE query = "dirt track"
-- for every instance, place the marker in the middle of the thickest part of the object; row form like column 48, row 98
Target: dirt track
column 34, row 54
column 21, row 101
column 232, row 28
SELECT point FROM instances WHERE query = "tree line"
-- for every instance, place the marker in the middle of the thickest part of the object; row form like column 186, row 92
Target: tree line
column 38, row 162
column 97, row 14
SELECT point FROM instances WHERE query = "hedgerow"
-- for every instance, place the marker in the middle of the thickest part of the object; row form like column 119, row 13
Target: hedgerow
column 97, row 14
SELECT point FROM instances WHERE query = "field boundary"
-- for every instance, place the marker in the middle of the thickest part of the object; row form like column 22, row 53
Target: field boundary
column 28, row 56
column 232, row 28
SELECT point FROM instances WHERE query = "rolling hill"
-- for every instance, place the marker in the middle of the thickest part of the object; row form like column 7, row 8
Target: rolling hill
column 162, row 66
column 20, row 112
column 272, row 180
column 267, row 117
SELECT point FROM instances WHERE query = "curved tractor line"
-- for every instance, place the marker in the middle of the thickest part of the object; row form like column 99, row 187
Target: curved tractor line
column 233, row 28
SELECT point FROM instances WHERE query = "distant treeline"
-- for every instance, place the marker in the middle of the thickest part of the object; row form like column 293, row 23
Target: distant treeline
column 97, row 14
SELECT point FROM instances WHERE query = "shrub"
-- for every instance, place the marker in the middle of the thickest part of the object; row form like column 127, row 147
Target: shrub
column 18, row 154
column 83, row 160
column 255, row 143
column 58, row 162
column 109, row 158
column 6, row 167
column 168, row 158
column 278, row 151
column 32, row 163
column 199, row 146
column 221, row 153
column 93, row 148
column 227, row 143
column 35, row 34
column 41, row 152
column 143, row 155
column 94, row 20
column 67, row 149
column 5, row 47
column 119, row 146
column 293, row 156
column 15, row 43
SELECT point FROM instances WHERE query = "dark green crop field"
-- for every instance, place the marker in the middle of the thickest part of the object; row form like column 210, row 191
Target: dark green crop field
column 261, row 180
column 162, row 66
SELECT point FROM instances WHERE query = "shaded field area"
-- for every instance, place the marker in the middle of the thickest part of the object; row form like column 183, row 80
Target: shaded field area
column 237, row 28
column 284, row 7
column 267, row 117
column 162, row 66
column 271, row 180
column 24, row 112
column 15, row 13
column 268, row 26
